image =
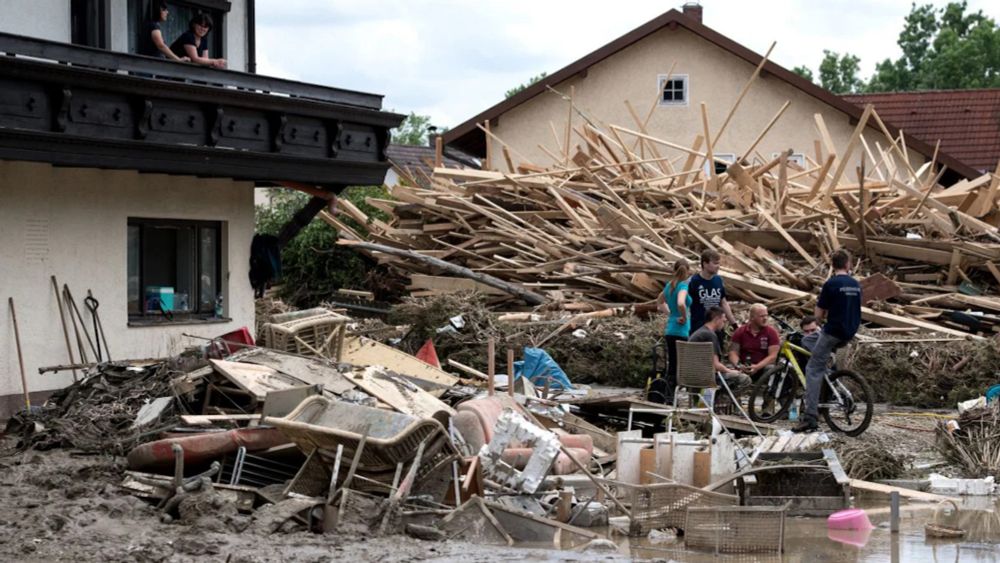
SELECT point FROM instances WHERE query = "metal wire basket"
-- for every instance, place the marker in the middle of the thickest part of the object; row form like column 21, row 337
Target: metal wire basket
column 736, row 529
column 665, row 505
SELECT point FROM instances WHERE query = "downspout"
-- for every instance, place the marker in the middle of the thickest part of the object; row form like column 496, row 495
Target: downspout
column 251, row 37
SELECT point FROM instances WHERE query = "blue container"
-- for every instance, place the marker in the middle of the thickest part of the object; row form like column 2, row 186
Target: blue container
column 158, row 297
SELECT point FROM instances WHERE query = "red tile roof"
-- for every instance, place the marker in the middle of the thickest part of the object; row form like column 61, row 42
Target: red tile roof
column 966, row 121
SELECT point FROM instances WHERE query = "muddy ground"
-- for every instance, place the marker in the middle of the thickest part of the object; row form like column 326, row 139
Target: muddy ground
column 63, row 505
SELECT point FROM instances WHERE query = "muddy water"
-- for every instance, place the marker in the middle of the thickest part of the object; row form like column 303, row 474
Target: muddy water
column 807, row 539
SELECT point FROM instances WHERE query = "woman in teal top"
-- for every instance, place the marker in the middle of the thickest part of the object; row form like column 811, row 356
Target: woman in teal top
column 675, row 301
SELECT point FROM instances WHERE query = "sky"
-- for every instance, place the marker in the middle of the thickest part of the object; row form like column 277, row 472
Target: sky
column 452, row 59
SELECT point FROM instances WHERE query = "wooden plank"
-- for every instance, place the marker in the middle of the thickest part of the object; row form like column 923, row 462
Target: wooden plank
column 878, row 317
column 362, row 351
column 407, row 399
column 254, row 379
column 877, row 287
column 784, row 234
column 993, row 270
column 851, row 144
column 310, row 371
column 205, row 419
column 905, row 493
column 445, row 284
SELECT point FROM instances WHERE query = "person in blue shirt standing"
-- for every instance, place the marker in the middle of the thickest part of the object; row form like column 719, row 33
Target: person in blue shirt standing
column 675, row 301
column 840, row 305
column 707, row 290
column 151, row 42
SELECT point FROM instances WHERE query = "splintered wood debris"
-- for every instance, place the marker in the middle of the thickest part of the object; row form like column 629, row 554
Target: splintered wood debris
column 603, row 228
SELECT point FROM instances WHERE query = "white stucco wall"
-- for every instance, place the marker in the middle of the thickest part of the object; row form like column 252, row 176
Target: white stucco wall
column 715, row 77
column 72, row 223
column 118, row 24
column 45, row 19
column 236, row 36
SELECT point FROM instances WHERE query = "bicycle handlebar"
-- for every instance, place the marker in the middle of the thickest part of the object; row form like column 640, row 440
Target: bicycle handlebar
column 787, row 327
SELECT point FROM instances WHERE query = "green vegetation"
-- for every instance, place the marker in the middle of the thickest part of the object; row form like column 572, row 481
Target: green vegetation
column 313, row 266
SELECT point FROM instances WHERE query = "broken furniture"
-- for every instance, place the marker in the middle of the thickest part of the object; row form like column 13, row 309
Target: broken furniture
column 736, row 529
column 810, row 483
column 312, row 332
column 363, row 351
column 319, row 425
column 476, row 420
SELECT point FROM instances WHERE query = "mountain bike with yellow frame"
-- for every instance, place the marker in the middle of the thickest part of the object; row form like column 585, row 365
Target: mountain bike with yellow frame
column 846, row 401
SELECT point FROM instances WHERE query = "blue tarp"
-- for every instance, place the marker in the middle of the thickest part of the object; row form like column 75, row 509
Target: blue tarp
column 539, row 367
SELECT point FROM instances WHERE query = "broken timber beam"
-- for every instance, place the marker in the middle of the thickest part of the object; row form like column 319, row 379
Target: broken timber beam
column 529, row 297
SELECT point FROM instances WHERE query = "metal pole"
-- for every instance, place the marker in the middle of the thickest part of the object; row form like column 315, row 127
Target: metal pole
column 20, row 358
column 894, row 512
column 62, row 317
column 491, row 363
column 510, row 371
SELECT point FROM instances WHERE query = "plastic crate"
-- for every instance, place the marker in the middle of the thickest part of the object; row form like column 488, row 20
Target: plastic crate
column 318, row 333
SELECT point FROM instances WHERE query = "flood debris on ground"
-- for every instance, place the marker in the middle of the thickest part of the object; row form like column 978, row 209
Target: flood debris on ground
column 262, row 442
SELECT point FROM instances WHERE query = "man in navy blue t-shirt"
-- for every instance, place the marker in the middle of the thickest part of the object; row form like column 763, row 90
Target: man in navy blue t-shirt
column 707, row 290
column 840, row 304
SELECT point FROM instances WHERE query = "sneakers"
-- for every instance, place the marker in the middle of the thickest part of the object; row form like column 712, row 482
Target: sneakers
column 806, row 426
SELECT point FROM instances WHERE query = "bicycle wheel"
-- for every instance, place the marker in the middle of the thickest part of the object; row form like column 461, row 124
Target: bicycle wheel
column 772, row 395
column 850, row 409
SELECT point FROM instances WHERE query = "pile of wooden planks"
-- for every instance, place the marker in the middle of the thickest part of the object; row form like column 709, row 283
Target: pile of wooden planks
column 602, row 228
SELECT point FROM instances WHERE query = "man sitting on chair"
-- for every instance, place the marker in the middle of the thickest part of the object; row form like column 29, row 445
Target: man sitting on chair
column 755, row 345
column 715, row 320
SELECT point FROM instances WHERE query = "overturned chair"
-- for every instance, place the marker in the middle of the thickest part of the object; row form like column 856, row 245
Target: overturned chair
column 382, row 441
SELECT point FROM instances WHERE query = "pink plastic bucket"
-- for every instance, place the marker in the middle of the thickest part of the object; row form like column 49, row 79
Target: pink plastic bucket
column 850, row 519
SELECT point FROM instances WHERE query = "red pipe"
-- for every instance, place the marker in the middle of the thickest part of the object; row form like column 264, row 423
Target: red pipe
column 201, row 448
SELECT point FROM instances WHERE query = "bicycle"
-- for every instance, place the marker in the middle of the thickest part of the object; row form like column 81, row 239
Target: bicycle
column 846, row 401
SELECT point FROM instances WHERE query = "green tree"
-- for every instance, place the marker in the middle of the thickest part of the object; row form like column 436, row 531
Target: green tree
column 313, row 267
column 412, row 131
column 515, row 90
column 839, row 73
column 804, row 72
column 946, row 48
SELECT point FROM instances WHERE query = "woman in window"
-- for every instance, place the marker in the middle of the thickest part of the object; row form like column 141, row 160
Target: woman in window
column 151, row 42
column 193, row 43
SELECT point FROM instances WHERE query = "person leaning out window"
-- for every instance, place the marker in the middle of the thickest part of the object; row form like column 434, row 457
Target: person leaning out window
column 151, row 42
column 193, row 43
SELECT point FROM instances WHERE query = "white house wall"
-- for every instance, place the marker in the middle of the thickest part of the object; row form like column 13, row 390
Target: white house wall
column 715, row 76
column 44, row 19
column 72, row 223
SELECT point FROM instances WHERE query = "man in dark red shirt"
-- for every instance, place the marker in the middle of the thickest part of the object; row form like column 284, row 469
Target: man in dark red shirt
column 755, row 345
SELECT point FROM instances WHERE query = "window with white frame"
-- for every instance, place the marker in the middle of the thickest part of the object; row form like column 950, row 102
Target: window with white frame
column 796, row 158
column 673, row 89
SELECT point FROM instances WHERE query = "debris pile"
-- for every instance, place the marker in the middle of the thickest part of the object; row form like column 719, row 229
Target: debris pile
column 98, row 413
column 604, row 228
column 975, row 444
column 871, row 459
column 934, row 374
column 610, row 351
column 365, row 439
